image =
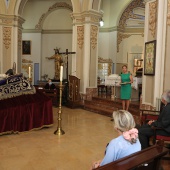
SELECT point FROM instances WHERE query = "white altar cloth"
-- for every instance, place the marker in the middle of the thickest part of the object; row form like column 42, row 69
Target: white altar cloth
column 115, row 80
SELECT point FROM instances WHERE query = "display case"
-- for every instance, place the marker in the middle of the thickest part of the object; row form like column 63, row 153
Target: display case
column 134, row 61
column 104, row 69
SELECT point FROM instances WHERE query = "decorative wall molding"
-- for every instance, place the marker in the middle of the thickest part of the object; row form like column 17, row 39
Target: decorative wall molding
column 102, row 60
column 19, row 38
column 93, row 36
column 80, row 36
column 153, row 17
column 11, row 20
column 91, row 17
column 26, row 68
column 126, row 30
column 56, row 6
column 26, row 61
column 128, row 13
column 7, row 36
column 6, row 21
column 120, row 37
column 168, row 15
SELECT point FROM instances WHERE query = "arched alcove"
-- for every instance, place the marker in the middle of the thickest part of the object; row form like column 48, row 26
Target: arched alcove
column 57, row 20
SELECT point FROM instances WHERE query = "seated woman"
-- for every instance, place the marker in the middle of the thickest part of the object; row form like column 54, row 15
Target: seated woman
column 50, row 85
column 126, row 143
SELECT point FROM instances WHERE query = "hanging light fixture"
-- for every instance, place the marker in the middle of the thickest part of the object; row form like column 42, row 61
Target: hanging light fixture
column 101, row 22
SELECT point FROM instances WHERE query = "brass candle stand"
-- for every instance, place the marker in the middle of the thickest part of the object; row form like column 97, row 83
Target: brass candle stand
column 30, row 80
column 59, row 130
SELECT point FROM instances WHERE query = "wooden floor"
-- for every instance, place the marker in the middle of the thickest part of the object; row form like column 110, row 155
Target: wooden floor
column 84, row 141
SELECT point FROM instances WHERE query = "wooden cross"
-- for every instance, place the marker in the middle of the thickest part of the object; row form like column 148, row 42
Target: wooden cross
column 67, row 53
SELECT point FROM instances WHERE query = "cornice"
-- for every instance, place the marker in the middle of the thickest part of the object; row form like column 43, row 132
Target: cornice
column 125, row 30
column 68, row 31
column 11, row 20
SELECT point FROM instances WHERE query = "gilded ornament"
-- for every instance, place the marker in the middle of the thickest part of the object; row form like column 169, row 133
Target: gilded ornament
column 7, row 36
column 153, row 17
column 93, row 36
column 80, row 36
column 120, row 37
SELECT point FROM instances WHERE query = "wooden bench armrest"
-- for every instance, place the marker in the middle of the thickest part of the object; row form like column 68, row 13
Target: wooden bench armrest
column 150, row 156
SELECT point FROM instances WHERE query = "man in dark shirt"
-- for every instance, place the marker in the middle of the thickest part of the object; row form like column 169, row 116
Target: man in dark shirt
column 163, row 122
column 50, row 85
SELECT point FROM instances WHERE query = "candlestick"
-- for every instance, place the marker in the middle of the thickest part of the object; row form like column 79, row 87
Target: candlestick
column 29, row 73
column 59, row 130
column 61, row 73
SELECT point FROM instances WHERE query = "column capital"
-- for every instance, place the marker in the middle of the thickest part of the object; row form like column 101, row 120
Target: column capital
column 11, row 20
column 90, row 16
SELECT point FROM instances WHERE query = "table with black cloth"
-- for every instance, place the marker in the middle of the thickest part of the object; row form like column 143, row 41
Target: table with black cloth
column 25, row 112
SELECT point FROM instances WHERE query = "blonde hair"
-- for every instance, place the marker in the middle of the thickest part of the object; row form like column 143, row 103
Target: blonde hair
column 123, row 120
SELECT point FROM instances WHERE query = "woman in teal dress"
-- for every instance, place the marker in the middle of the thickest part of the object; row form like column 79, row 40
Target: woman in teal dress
column 126, row 89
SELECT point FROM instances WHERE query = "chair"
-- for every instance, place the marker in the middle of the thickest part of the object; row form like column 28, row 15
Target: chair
column 147, row 115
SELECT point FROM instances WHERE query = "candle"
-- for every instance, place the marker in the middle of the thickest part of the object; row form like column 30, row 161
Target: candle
column 61, row 73
column 29, row 73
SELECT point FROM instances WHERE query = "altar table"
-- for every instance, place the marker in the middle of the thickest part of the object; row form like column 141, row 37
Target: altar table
column 25, row 113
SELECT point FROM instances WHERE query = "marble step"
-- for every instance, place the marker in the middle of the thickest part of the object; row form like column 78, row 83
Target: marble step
column 107, row 108
column 116, row 102
column 101, row 105
column 99, row 108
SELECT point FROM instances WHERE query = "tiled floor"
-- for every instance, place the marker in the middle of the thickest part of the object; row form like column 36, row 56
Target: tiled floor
column 86, row 135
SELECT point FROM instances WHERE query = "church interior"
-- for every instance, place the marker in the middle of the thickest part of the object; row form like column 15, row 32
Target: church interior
column 81, row 46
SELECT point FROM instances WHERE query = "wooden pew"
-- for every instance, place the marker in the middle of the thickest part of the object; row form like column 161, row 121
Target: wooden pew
column 147, row 159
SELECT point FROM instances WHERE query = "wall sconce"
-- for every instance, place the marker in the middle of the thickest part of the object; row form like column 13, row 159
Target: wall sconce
column 101, row 22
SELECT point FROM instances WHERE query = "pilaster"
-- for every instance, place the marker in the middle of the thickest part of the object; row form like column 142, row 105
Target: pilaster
column 10, row 43
column 85, row 38
column 155, row 29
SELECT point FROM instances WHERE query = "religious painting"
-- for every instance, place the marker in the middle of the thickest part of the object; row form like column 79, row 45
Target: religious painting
column 149, row 58
column 26, row 47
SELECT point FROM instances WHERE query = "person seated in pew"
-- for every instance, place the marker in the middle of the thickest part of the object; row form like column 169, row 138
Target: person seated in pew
column 50, row 85
column 126, row 143
column 163, row 121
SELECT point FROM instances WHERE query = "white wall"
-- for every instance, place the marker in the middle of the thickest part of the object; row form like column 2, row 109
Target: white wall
column 133, row 44
column 35, row 56
column 34, row 9
column 49, row 43
column 108, row 45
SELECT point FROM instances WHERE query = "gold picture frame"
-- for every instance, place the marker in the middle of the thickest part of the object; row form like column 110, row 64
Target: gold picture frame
column 149, row 58
column 26, row 47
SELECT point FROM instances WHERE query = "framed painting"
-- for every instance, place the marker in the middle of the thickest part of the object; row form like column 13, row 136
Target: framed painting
column 26, row 47
column 149, row 58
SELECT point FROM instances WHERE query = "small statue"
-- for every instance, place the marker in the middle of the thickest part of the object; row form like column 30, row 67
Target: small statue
column 58, row 63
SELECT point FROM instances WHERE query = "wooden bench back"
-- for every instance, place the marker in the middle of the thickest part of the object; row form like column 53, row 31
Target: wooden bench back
column 147, row 159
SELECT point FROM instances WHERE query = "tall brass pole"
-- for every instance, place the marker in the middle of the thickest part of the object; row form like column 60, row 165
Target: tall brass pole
column 59, row 130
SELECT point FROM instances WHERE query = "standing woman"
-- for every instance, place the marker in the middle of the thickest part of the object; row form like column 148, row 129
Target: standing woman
column 126, row 89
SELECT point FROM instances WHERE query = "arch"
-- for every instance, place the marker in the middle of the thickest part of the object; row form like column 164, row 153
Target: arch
column 3, row 7
column 128, row 13
column 19, row 7
column 91, row 5
column 58, row 5
column 76, row 5
column 96, row 5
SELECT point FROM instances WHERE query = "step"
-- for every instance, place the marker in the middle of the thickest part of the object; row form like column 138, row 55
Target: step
column 100, row 106
column 117, row 101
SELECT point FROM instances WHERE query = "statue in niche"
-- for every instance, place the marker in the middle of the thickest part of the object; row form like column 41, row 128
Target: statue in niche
column 58, row 62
